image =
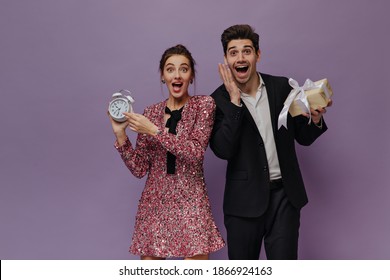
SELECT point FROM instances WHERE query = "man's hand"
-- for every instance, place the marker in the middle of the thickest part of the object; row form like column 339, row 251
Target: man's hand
column 316, row 114
column 230, row 84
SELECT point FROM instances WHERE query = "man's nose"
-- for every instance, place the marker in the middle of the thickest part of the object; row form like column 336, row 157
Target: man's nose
column 240, row 56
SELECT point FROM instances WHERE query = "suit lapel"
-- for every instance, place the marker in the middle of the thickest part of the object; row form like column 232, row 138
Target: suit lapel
column 246, row 113
column 270, row 86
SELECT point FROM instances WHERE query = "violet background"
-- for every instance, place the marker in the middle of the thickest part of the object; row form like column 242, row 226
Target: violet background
column 64, row 191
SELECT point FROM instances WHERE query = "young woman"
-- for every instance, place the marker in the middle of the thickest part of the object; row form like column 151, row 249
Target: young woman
column 174, row 218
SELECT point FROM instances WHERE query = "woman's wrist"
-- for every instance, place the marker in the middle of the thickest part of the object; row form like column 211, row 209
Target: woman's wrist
column 121, row 138
column 156, row 131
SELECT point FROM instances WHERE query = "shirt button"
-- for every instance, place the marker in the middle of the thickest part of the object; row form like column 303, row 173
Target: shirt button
column 265, row 168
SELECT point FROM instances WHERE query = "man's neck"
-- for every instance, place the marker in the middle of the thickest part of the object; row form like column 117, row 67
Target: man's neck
column 251, row 86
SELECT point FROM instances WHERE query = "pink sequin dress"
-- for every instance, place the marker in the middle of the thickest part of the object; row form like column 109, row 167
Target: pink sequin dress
column 174, row 217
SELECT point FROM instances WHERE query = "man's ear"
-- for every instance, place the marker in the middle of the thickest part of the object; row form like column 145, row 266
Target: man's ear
column 258, row 55
column 225, row 60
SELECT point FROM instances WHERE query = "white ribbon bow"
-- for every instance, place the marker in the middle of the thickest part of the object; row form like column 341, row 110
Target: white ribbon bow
column 297, row 94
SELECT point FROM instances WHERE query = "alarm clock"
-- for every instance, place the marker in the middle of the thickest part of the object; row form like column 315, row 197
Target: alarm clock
column 119, row 104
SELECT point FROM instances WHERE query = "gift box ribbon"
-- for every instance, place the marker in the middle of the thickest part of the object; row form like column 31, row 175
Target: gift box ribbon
column 298, row 94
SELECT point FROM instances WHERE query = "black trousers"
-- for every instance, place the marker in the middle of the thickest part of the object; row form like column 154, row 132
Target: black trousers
column 279, row 227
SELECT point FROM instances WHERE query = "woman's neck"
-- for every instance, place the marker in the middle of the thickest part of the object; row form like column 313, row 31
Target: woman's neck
column 176, row 103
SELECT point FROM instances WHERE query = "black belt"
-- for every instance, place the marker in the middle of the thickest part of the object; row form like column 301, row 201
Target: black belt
column 276, row 184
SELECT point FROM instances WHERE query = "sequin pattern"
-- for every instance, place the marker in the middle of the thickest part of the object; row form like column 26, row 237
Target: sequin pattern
column 174, row 217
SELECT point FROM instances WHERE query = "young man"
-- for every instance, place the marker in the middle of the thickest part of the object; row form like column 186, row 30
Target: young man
column 264, row 189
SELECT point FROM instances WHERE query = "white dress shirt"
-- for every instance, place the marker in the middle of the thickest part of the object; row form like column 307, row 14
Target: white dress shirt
column 259, row 108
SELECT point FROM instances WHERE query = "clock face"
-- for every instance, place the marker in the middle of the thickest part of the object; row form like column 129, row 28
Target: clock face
column 117, row 107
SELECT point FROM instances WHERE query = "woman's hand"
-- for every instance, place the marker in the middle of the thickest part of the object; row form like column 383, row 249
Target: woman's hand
column 140, row 124
column 119, row 130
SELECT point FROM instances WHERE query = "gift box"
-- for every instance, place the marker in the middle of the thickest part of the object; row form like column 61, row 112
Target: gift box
column 317, row 96
column 302, row 98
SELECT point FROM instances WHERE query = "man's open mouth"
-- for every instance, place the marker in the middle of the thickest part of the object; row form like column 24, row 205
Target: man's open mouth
column 242, row 69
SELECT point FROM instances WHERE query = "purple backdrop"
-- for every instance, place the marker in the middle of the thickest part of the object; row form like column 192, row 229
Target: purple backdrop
column 65, row 193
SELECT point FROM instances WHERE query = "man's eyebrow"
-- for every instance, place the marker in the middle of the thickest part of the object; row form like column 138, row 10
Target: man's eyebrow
column 246, row 46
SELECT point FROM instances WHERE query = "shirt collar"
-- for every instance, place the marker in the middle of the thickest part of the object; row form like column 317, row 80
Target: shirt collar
column 261, row 84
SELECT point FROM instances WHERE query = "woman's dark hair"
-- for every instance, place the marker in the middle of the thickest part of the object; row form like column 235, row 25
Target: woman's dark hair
column 177, row 50
column 239, row 31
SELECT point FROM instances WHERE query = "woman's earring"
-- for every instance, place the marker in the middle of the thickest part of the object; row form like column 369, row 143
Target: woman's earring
column 163, row 81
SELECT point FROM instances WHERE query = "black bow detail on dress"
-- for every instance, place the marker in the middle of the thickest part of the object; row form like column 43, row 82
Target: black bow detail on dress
column 171, row 124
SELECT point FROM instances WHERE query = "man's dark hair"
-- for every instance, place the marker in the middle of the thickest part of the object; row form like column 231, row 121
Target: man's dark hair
column 239, row 31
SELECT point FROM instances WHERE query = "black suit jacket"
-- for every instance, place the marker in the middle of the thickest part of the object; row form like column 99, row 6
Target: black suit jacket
column 236, row 138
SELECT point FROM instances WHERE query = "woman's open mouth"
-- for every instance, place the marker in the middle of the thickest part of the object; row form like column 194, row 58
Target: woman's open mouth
column 177, row 86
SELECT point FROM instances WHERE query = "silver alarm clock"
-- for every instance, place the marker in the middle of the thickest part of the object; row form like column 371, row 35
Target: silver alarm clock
column 119, row 104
